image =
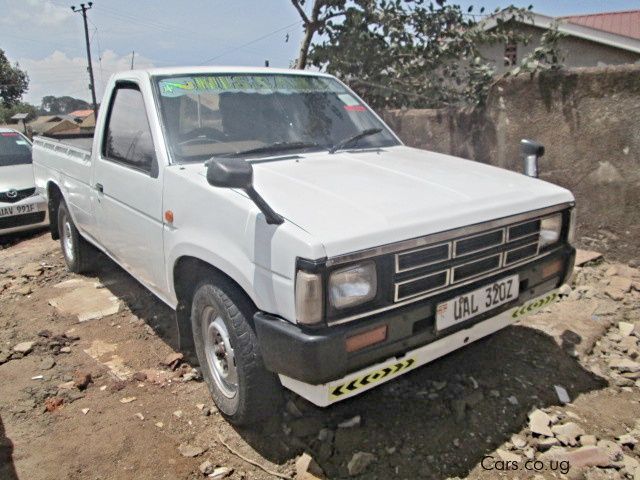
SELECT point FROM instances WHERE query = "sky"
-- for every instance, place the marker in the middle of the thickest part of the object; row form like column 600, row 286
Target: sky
column 47, row 38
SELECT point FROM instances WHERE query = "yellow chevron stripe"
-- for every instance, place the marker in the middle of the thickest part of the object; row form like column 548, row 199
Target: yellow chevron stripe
column 371, row 377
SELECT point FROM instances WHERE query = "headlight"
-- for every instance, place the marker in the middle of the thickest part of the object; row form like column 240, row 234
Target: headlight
column 351, row 286
column 571, row 236
column 550, row 228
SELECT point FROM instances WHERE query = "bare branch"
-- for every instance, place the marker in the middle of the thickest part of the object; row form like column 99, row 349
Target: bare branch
column 301, row 12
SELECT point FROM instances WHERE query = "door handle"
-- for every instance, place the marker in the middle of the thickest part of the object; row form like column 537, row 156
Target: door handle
column 99, row 187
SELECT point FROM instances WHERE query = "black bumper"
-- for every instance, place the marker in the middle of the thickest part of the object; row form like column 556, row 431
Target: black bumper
column 318, row 355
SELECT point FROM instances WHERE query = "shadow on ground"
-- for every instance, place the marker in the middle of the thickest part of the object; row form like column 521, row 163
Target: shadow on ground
column 7, row 468
column 435, row 422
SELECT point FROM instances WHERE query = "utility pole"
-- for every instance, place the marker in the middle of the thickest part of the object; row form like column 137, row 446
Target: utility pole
column 133, row 55
column 83, row 9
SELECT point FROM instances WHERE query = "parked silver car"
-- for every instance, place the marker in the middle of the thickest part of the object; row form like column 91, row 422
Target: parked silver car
column 20, row 207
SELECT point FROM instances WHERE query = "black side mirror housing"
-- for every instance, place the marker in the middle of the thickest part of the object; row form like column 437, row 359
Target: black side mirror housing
column 229, row 173
column 238, row 173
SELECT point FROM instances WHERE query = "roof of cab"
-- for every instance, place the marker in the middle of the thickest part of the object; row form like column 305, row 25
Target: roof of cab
column 214, row 70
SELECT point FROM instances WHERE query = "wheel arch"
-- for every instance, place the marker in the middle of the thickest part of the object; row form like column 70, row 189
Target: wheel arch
column 188, row 272
column 54, row 197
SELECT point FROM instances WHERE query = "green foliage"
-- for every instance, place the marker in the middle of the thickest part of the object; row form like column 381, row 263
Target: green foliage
column 19, row 107
column 13, row 81
column 52, row 105
column 412, row 53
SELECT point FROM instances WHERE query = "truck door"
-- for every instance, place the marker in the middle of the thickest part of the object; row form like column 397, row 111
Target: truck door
column 128, row 188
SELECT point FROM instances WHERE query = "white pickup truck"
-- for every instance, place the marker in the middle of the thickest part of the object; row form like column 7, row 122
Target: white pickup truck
column 299, row 241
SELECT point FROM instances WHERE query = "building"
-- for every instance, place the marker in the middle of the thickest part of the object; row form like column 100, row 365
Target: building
column 52, row 125
column 610, row 38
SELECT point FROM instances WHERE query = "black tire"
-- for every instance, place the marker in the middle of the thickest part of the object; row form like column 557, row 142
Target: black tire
column 218, row 305
column 79, row 255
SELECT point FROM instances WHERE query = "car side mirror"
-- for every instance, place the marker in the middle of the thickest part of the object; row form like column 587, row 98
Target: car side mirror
column 531, row 152
column 238, row 173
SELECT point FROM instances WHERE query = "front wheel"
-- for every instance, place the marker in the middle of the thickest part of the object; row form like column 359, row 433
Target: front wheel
column 229, row 355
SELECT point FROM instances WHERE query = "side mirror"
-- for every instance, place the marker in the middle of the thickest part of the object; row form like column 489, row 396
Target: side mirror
column 229, row 173
column 238, row 173
column 531, row 152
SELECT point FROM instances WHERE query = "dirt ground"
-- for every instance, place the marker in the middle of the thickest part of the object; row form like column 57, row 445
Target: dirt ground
column 489, row 410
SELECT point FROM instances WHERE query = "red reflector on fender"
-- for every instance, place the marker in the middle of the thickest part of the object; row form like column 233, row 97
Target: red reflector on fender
column 365, row 339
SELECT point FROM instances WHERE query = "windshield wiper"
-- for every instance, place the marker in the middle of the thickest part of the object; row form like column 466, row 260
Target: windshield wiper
column 364, row 133
column 273, row 147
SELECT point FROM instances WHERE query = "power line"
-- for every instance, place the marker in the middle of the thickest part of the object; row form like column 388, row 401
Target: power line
column 235, row 49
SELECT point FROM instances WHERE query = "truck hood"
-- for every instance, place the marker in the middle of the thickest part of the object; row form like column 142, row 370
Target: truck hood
column 16, row 177
column 354, row 200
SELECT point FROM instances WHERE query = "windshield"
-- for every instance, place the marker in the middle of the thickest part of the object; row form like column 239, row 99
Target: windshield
column 207, row 115
column 14, row 149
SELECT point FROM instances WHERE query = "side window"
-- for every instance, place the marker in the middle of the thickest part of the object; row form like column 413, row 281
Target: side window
column 128, row 135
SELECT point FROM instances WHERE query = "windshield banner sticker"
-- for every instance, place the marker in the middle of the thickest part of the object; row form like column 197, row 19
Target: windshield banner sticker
column 176, row 87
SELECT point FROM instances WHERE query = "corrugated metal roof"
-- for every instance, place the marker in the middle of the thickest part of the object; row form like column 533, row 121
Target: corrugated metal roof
column 626, row 24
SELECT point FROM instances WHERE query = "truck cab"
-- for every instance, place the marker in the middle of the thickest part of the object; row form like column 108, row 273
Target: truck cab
column 299, row 241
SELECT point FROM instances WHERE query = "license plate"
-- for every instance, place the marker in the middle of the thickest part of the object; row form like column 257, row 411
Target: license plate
column 10, row 211
column 477, row 302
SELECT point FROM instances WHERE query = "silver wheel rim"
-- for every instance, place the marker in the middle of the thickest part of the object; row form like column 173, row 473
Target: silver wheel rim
column 67, row 240
column 219, row 353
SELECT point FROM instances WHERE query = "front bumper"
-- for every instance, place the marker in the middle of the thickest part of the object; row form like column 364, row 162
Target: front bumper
column 27, row 214
column 307, row 358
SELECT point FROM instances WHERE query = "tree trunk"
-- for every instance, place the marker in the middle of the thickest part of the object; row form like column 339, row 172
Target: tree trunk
column 301, row 63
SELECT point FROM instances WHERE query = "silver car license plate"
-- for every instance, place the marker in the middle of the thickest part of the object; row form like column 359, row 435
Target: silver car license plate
column 477, row 302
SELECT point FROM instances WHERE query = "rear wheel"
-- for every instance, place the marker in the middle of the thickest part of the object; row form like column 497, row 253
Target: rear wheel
column 227, row 349
column 78, row 254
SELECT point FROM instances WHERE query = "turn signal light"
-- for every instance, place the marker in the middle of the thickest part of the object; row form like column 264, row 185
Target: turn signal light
column 366, row 339
column 552, row 268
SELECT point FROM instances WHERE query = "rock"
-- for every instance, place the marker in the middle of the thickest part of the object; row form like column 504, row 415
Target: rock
column 293, row 409
column 518, row 441
column 564, row 290
column 352, row 422
column 512, row 400
column 626, row 328
column 581, row 457
column 612, row 448
column 24, row 347
column 47, row 363
column 221, row 472
column 508, row 456
column 585, row 256
column 139, row 416
column 624, row 365
column 85, row 411
column 172, row 360
column 561, row 392
column 545, row 444
column 65, row 350
column 306, row 427
column 139, row 376
column 614, row 294
column 359, row 463
column 81, row 379
column 127, row 399
column 539, row 423
column 631, row 465
column 568, row 433
column 206, row 467
column 53, row 403
column 177, row 413
column 24, row 291
column 628, row 440
column 437, row 386
column 307, row 468
column 588, row 440
column 190, row 451
column 621, row 284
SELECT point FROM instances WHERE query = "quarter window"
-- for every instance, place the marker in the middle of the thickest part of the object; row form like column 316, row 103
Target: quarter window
column 128, row 135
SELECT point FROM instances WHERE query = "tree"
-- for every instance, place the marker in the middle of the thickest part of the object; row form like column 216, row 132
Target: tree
column 13, row 81
column 413, row 53
column 322, row 12
column 52, row 105
column 19, row 107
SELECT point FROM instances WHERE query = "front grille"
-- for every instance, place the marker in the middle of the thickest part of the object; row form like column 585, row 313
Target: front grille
column 13, row 196
column 436, row 267
column 22, row 220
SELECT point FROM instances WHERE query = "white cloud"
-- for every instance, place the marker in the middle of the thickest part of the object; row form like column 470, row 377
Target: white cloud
column 59, row 74
column 38, row 13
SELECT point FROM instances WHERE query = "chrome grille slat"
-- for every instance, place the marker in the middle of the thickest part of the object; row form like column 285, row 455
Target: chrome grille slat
column 464, row 259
